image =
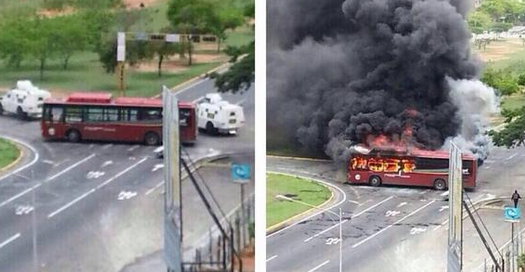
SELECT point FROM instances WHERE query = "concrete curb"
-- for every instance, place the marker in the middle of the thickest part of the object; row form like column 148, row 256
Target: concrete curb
column 299, row 216
column 298, row 158
column 21, row 154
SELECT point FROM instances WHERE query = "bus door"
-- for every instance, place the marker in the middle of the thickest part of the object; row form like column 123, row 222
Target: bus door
column 53, row 121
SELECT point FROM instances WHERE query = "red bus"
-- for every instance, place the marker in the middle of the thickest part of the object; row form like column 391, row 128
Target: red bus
column 97, row 116
column 414, row 168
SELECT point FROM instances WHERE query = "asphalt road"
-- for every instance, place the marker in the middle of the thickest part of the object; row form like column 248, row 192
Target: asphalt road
column 99, row 206
column 387, row 228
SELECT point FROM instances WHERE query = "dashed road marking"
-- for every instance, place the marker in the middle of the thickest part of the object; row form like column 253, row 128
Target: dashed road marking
column 324, row 231
column 271, row 258
column 133, row 148
column 372, row 207
column 11, row 239
column 443, row 208
column 107, row 163
column 124, row 195
column 70, row 167
column 155, row 188
column 402, row 204
column 71, row 203
column 157, row 167
column 319, row 266
column 95, row 174
column 19, row 195
column 120, row 174
column 391, row 225
column 512, row 156
column 21, row 210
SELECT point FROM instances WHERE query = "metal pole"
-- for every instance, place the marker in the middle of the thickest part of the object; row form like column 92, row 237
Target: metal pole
column 340, row 241
column 35, row 252
column 242, row 212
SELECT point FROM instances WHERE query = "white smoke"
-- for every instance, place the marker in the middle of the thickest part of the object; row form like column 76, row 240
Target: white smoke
column 476, row 102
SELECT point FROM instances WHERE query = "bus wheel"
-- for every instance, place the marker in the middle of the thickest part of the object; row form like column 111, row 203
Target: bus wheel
column 21, row 114
column 210, row 129
column 73, row 136
column 374, row 181
column 440, row 184
column 152, row 138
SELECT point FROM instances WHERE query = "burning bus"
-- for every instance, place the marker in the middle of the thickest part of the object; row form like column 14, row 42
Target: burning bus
column 407, row 167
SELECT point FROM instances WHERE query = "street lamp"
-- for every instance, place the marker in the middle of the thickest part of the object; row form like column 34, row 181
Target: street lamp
column 282, row 197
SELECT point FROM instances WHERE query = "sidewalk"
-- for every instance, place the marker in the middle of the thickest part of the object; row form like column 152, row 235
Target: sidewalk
column 150, row 263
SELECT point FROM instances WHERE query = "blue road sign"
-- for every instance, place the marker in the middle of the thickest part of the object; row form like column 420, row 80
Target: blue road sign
column 511, row 213
column 240, row 172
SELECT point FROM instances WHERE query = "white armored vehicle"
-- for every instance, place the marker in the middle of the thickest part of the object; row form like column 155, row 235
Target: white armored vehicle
column 25, row 100
column 219, row 116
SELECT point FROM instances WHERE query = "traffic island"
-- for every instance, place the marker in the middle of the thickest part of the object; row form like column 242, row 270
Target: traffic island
column 306, row 193
column 10, row 154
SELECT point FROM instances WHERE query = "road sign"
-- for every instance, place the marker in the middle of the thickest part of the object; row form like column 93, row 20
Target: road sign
column 512, row 214
column 240, row 173
column 455, row 231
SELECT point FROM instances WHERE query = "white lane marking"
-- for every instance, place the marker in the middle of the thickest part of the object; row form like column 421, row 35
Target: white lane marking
column 70, row 167
column 402, row 204
column 324, row 231
column 392, row 213
column 155, row 188
column 107, row 146
column 19, row 195
column 124, row 195
column 487, row 167
column 157, row 167
column 71, row 203
column 107, row 163
column 133, row 148
column 372, row 207
column 415, row 230
column 35, row 159
column 357, row 215
column 240, row 102
column 120, row 174
column 490, row 161
column 315, row 214
column 271, row 258
column 355, row 202
column 11, row 239
column 443, row 208
column 512, row 156
column 21, row 210
column 95, row 174
column 50, row 162
column 389, row 226
column 444, row 193
column 197, row 100
column 319, row 266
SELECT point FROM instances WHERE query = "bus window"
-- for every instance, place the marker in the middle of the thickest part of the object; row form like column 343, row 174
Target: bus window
column 111, row 114
column 94, row 114
column 73, row 115
column 133, row 115
column 151, row 114
column 55, row 114
column 184, row 118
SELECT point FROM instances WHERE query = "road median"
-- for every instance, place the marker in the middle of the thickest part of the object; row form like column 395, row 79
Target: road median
column 282, row 213
column 10, row 154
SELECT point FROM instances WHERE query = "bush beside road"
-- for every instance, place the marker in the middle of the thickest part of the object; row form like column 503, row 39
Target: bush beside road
column 296, row 188
column 8, row 153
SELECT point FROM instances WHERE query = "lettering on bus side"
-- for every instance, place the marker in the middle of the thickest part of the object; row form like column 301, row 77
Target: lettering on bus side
column 383, row 164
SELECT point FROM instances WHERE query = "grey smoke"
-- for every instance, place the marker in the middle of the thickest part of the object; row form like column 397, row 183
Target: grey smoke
column 340, row 71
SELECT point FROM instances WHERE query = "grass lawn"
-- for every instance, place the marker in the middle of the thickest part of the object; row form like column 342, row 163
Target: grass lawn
column 86, row 74
column 513, row 102
column 8, row 153
column 296, row 188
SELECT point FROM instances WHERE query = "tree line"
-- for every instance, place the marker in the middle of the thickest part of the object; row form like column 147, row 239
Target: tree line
column 496, row 15
column 92, row 26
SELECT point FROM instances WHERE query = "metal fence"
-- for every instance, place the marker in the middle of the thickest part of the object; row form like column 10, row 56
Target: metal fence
column 214, row 252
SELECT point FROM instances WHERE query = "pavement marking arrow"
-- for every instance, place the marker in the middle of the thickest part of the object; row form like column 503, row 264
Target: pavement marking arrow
column 415, row 231
column 392, row 213
column 21, row 210
column 95, row 174
column 124, row 195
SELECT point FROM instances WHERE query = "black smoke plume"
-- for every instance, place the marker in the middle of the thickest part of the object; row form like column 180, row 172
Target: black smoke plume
column 340, row 71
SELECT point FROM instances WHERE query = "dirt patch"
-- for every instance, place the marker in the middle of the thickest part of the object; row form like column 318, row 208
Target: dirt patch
column 500, row 50
column 175, row 64
column 53, row 13
column 136, row 3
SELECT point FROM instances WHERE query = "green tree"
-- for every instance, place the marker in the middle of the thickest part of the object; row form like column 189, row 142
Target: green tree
column 72, row 37
column 42, row 45
column 504, row 83
column 513, row 134
column 479, row 22
column 14, row 41
column 241, row 74
column 191, row 17
column 226, row 17
column 164, row 49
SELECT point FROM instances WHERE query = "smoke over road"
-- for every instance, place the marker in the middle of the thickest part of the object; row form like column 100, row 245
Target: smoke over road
column 344, row 72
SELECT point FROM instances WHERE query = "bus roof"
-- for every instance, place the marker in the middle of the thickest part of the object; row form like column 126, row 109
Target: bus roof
column 413, row 152
column 101, row 99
